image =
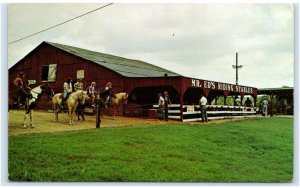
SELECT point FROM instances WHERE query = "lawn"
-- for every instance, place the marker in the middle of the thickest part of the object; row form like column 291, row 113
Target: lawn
column 253, row 150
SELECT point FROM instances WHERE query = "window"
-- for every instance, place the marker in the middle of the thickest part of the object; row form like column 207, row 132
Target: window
column 49, row 72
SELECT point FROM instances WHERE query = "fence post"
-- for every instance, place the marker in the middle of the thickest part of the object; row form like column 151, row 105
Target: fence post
column 98, row 114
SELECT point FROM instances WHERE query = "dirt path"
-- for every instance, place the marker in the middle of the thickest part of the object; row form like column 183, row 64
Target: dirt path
column 44, row 122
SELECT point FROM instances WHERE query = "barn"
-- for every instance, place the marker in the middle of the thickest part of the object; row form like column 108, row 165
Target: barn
column 54, row 63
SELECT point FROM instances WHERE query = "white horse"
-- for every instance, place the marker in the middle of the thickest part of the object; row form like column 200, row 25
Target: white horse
column 120, row 99
column 72, row 101
column 31, row 102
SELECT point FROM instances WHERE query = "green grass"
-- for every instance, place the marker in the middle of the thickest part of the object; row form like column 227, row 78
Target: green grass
column 257, row 150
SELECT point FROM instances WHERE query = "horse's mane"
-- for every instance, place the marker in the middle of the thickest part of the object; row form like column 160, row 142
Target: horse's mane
column 77, row 93
column 122, row 93
column 121, row 96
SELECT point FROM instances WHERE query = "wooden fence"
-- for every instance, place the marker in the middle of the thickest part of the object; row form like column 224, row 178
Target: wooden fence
column 193, row 112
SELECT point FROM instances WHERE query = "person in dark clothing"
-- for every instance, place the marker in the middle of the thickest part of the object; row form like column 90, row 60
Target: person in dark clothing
column 22, row 89
column 161, row 103
column 167, row 101
column 248, row 102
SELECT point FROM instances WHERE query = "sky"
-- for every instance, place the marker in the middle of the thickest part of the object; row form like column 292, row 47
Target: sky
column 192, row 39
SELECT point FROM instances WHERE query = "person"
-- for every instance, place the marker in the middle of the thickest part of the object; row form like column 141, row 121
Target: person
column 265, row 107
column 67, row 90
column 78, row 85
column 108, row 87
column 92, row 90
column 237, row 101
column 202, row 103
column 248, row 102
column 23, row 89
column 167, row 101
column 72, row 85
column 161, row 103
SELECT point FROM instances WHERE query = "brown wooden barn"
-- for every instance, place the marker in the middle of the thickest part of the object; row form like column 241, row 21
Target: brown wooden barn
column 54, row 63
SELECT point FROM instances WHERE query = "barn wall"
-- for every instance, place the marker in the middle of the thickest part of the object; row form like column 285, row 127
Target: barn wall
column 67, row 66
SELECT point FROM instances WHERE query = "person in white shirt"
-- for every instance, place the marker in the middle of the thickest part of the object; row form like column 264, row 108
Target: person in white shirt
column 265, row 107
column 202, row 103
column 161, row 103
column 238, row 101
column 67, row 91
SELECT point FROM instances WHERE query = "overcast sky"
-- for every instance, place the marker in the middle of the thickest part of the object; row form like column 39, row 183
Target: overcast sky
column 194, row 40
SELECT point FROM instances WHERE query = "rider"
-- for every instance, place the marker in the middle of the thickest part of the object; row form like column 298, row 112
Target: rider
column 21, row 87
column 91, row 91
column 108, row 87
column 78, row 85
column 67, row 90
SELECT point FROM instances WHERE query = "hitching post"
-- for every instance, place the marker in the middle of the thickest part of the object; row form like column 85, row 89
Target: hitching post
column 98, row 114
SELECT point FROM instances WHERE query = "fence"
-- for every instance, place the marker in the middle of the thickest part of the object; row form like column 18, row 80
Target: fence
column 193, row 112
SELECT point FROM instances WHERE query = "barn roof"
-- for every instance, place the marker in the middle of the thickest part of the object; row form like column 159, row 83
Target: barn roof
column 123, row 66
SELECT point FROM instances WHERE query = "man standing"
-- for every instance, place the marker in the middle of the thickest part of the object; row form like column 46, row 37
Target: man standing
column 265, row 107
column 248, row 102
column 167, row 101
column 202, row 103
column 161, row 103
column 238, row 101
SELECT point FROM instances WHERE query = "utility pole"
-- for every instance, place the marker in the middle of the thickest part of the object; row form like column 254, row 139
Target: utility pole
column 236, row 67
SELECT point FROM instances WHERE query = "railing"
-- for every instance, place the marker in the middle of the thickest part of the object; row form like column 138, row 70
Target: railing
column 193, row 112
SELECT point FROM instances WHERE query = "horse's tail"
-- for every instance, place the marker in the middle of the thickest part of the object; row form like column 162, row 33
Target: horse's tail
column 54, row 102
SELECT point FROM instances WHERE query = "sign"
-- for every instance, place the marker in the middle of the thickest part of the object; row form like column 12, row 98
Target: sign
column 220, row 86
column 225, row 87
column 196, row 83
column 80, row 74
column 31, row 82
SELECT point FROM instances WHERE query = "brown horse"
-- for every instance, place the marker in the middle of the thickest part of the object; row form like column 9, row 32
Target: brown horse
column 119, row 99
column 73, row 100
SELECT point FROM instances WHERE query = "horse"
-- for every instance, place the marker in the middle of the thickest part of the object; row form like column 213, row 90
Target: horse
column 80, row 111
column 119, row 99
column 31, row 101
column 90, row 103
column 72, row 101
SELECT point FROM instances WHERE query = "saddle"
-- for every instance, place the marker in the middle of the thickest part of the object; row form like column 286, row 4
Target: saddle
column 64, row 100
column 61, row 96
column 23, row 100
